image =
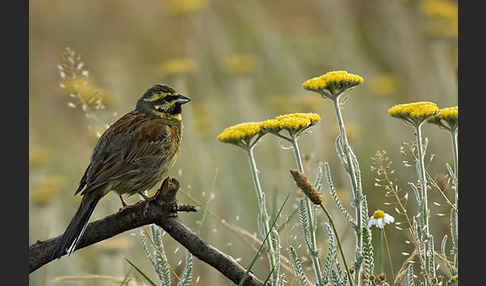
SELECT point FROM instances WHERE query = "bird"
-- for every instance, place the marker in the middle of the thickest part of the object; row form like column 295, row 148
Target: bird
column 131, row 156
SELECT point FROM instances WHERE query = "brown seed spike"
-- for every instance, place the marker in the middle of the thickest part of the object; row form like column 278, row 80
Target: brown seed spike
column 306, row 186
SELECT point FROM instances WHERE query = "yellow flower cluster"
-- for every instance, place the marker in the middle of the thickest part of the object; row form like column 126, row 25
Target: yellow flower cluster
column 186, row 6
column 239, row 131
column 440, row 9
column 47, row 189
column 38, row 156
column 446, row 118
column 246, row 130
column 449, row 112
column 294, row 121
column 286, row 122
column 443, row 17
column 178, row 66
column 340, row 79
column 240, row 63
column 384, row 84
column 311, row 116
column 415, row 109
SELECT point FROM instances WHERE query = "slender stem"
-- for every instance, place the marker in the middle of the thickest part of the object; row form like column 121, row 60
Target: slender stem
column 456, row 188
column 339, row 243
column 389, row 255
column 425, row 207
column 455, row 153
column 354, row 183
column 298, row 157
column 263, row 211
column 308, row 208
column 423, row 178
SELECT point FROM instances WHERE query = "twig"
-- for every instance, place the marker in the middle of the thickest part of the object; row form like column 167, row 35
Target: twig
column 161, row 209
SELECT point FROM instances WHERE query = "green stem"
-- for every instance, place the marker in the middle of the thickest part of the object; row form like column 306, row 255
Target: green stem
column 263, row 211
column 455, row 155
column 455, row 183
column 339, row 243
column 313, row 249
column 298, row 157
column 354, row 183
column 389, row 255
column 425, row 207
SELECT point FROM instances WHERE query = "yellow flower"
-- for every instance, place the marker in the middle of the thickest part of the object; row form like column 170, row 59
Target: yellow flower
column 313, row 117
column 314, row 83
column 450, row 112
column 186, row 6
column 286, row 122
column 334, row 82
column 38, row 156
column 440, row 9
column 48, row 189
column 380, row 219
column 414, row 113
column 238, row 132
column 384, row 84
column 240, row 63
column 336, row 76
column 446, row 118
column 443, row 17
column 415, row 109
column 178, row 66
column 293, row 122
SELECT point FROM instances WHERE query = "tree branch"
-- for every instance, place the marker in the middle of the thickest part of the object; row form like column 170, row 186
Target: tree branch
column 162, row 210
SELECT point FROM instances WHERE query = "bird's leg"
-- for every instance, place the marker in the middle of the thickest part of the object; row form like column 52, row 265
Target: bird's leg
column 124, row 204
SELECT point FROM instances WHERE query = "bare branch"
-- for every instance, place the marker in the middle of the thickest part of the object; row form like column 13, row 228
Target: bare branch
column 162, row 210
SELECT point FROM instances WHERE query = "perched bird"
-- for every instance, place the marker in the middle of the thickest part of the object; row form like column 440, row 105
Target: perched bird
column 131, row 156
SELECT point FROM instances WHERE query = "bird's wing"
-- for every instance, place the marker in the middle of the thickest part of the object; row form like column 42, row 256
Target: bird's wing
column 128, row 143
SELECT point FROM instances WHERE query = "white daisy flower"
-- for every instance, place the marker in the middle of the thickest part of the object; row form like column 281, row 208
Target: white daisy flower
column 379, row 219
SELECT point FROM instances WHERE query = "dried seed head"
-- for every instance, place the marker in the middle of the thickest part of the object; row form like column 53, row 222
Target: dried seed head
column 306, row 186
column 307, row 157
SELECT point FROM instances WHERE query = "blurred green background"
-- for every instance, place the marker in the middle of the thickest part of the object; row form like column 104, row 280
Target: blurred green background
column 237, row 61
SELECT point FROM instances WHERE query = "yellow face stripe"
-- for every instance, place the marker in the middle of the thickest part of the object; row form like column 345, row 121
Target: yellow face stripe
column 168, row 115
column 155, row 96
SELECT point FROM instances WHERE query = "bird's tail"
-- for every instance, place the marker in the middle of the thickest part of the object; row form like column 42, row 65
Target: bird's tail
column 76, row 227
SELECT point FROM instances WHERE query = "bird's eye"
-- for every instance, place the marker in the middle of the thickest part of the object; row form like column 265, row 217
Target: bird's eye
column 158, row 108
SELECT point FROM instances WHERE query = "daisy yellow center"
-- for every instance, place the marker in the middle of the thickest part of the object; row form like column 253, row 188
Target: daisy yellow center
column 379, row 214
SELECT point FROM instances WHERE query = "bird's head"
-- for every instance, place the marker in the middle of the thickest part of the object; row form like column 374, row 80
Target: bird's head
column 163, row 101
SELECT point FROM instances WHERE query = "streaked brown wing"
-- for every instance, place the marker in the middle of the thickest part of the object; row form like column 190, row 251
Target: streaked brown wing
column 124, row 146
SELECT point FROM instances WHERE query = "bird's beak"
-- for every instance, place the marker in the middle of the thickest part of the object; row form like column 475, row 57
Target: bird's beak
column 181, row 99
